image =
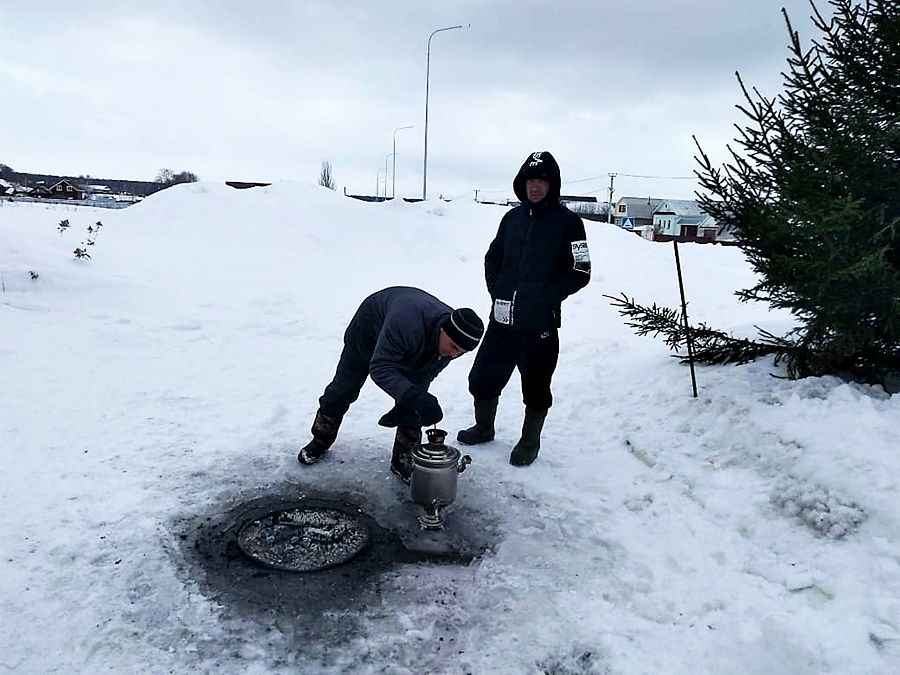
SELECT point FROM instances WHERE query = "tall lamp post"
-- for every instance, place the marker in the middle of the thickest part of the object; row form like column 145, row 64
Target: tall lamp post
column 394, row 167
column 427, row 77
column 386, row 173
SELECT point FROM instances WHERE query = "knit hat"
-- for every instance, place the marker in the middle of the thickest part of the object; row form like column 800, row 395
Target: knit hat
column 464, row 327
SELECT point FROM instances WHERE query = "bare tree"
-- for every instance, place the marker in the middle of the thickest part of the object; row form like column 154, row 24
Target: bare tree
column 185, row 177
column 168, row 177
column 326, row 178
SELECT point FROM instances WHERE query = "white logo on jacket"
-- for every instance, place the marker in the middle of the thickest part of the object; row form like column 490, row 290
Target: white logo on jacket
column 503, row 310
column 582, row 256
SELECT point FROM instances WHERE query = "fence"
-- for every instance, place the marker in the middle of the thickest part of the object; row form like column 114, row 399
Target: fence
column 97, row 203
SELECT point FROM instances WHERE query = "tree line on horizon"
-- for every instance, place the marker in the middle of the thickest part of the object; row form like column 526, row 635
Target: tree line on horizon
column 164, row 178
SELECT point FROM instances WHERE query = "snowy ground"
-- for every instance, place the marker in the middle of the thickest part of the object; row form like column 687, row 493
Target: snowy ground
column 172, row 377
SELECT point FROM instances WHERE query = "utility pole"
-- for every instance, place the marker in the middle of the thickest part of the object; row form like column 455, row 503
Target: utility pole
column 476, row 194
column 609, row 214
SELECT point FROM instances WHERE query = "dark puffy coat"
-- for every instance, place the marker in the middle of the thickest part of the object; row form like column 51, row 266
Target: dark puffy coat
column 398, row 329
column 539, row 256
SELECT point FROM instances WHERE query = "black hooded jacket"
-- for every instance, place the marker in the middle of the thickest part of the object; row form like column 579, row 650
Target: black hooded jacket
column 539, row 256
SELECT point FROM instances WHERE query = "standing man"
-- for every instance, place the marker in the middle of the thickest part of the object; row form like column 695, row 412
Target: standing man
column 538, row 259
column 403, row 337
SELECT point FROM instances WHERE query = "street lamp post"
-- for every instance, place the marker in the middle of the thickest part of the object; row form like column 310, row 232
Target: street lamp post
column 427, row 77
column 394, row 167
column 386, row 173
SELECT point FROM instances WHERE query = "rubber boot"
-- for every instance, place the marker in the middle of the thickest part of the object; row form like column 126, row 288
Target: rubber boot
column 526, row 450
column 483, row 430
column 405, row 441
column 324, row 431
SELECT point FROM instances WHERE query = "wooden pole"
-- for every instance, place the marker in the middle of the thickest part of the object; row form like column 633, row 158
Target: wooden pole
column 687, row 326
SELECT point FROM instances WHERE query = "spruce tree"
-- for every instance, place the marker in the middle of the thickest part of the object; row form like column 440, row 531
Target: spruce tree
column 813, row 192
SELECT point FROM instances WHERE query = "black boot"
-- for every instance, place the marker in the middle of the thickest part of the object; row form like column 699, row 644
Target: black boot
column 526, row 450
column 324, row 431
column 483, row 430
column 405, row 441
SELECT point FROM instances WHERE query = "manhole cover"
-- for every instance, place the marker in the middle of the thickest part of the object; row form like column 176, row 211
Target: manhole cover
column 303, row 539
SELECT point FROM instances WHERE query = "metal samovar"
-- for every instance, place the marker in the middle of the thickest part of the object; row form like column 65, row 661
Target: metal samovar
column 436, row 467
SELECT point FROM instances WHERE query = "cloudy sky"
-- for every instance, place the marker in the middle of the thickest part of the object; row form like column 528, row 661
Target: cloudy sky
column 267, row 90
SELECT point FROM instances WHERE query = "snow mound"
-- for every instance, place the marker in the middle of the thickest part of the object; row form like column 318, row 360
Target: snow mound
column 818, row 508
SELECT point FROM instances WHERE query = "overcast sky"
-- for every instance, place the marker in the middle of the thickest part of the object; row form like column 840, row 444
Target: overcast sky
column 267, row 90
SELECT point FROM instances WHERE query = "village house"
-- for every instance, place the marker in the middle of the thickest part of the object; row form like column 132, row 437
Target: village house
column 632, row 212
column 64, row 190
column 683, row 218
column 665, row 219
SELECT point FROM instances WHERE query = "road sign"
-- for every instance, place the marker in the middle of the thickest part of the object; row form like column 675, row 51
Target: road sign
column 628, row 223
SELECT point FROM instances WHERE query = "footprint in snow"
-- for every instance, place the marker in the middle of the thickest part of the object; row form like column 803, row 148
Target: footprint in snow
column 188, row 325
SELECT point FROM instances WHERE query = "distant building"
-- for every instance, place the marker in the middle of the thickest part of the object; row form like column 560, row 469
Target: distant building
column 665, row 219
column 243, row 185
column 64, row 190
column 683, row 218
column 10, row 189
column 632, row 212
column 586, row 206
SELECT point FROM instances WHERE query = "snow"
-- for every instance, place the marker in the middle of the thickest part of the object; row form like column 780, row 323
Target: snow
column 173, row 376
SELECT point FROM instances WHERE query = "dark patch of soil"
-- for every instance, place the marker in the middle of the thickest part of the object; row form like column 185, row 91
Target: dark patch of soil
column 315, row 607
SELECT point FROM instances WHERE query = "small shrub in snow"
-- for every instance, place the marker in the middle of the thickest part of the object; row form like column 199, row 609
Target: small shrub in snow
column 92, row 231
column 63, row 226
column 817, row 508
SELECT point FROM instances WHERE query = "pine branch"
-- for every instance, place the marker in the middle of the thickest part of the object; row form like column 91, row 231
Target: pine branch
column 710, row 346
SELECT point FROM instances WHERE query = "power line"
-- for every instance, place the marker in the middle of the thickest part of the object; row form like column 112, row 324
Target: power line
column 635, row 175
column 605, row 189
column 629, row 175
column 583, row 180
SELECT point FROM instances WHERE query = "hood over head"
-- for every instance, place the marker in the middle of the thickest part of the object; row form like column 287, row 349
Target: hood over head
column 539, row 164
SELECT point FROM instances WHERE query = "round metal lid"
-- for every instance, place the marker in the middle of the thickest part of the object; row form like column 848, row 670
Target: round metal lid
column 435, row 455
column 303, row 539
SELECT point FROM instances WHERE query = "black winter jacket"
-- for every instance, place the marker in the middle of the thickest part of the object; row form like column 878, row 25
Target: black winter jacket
column 539, row 256
column 398, row 329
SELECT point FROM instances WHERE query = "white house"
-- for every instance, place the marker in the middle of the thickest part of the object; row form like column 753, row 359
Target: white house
column 654, row 218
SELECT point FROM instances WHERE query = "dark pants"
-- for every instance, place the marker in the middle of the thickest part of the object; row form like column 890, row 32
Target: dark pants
column 502, row 350
column 349, row 378
column 352, row 368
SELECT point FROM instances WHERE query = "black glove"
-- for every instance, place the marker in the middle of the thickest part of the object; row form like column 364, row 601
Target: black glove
column 425, row 405
column 400, row 416
column 389, row 419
